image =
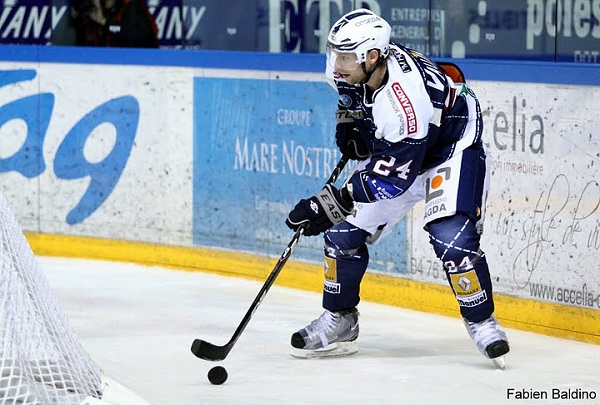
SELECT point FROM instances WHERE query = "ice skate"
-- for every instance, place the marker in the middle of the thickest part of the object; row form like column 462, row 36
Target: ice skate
column 330, row 335
column 490, row 339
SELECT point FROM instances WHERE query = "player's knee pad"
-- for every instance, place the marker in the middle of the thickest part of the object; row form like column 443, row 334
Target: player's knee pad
column 346, row 260
column 345, row 238
column 455, row 241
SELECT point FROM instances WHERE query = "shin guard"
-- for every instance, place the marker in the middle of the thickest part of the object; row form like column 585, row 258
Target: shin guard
column 346, row 260
column 456, row 243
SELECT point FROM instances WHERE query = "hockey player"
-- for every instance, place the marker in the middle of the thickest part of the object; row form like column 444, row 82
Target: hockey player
column 417, row 136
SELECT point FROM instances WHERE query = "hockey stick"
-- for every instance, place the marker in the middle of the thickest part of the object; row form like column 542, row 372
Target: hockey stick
column 208, row 351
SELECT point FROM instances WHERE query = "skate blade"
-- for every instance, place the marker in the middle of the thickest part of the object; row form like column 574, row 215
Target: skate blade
column 500, row 362
column 339, row 349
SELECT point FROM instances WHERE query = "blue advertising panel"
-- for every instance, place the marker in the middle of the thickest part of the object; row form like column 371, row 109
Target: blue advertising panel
column 207, row 24
column 259, row 147
column 29, row 22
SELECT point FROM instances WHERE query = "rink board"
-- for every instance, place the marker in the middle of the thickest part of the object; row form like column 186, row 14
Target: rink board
column 192, row 151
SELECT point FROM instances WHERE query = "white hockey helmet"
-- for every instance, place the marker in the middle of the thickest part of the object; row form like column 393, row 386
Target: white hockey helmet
column 358, row 32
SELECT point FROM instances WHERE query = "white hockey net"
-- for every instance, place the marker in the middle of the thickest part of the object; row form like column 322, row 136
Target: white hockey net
column 41, row 359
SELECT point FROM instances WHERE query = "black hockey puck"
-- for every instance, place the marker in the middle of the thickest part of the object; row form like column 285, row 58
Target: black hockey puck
column 217, row 375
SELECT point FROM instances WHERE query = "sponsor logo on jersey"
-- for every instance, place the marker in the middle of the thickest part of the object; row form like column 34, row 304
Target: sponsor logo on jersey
column 343, row 116
column 434, row 185
column 348, row 115
column 345, row 100
column 399, row 114
column 406, row 104
column 403, row 63
column 435, row 201
column 435, row 209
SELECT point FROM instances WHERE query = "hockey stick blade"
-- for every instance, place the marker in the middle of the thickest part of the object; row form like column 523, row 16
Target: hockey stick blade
column 208, row 351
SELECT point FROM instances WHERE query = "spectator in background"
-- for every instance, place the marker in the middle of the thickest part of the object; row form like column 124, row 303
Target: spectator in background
column 114, row 23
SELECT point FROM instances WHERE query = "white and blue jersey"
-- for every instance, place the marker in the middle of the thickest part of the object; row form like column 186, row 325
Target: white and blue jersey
column 415, row 121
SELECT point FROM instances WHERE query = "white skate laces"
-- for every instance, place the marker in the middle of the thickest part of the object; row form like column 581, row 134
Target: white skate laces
column 490, row 339
column 330, row 331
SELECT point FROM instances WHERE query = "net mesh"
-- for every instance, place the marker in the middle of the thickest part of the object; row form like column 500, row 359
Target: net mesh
column 41, row 359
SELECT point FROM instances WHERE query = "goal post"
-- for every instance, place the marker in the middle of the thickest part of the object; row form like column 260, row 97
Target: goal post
column 41, row 359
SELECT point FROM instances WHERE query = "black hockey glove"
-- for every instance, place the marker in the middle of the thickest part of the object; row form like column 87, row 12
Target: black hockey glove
column 348, row 139
column 320, row 212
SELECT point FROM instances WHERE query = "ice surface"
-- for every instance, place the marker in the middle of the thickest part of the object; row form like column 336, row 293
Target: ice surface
column 138, row 324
